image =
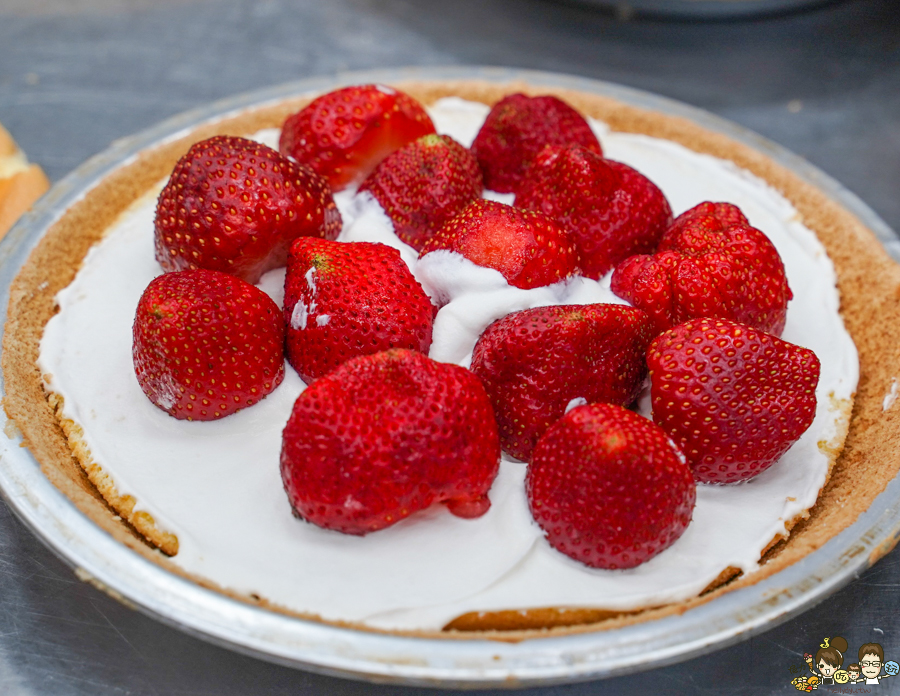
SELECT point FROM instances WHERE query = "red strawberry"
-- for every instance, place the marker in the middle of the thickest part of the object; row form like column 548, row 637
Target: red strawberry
column 206, row 344
column 528, row 248
column 710, row 263
column 517, row 129
column 235, row 205
column 609, row 488
column 611, row 210
column 533, row 363
column 386, row 435
column 424, row 184
column 342, row 300
column 344, row 134
column 733, row 398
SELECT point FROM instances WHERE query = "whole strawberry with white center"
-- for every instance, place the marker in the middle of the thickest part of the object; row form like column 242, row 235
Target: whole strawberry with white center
column 424, row 184
column 528, row 248
column 342, row 300
column 517, row 129
column 608, row 487
column 733, row 398
column 611, row 210
column 386, row 435
column 235, row 205
column 710, row 263
column 344, row 134
column 534, row 363
column 206, row 344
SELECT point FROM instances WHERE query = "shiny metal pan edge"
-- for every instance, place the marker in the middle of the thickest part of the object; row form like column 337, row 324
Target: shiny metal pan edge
column 336, row 651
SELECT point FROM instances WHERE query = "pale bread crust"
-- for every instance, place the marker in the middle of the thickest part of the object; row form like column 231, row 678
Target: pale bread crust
column 20, row 190
column 7, row 144
column 869, row 284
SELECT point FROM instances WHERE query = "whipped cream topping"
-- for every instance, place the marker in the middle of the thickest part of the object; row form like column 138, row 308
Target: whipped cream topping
column 217, row 486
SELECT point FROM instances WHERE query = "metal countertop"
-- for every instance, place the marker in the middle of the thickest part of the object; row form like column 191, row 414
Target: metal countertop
column 77, row 74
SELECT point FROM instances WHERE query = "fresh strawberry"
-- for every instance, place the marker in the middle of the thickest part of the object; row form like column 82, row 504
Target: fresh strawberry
column 424, row 184
column 609, row 488
column 342, row 300
column 344, row 134
column 386, row 435
column 206, row 344
column 517, row 129
column 703, row 223
column 611, row 210
column 235, row 205
column 733, row 398
column 710, row 263
column 528, row 248
column 534, row 363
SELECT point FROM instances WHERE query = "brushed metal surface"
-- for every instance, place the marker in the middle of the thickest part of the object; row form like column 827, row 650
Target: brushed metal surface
column 705, row 9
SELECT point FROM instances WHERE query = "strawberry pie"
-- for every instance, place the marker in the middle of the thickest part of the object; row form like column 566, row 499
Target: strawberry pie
column 643, row 316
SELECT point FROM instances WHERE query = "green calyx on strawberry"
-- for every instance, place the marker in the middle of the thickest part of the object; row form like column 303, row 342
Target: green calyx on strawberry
column 517, row 129
column 343, row 300
column 535, row 362
column 424, row 184
column 206, row 344
column 386, row 435
column 710, row 263
column 608, row 487
column 529, row 249
column 611, row 210
column 732, row 397
column 235, row 205
column 344, row 134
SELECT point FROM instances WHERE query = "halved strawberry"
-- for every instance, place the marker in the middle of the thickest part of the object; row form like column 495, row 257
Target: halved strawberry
column 344, row 134
column 206, row 344
column 733, row 398
column 235, row 205
column 386, row 435
column 342, row 300
column 517, row 129
column 534, row 363
column 424, row 184
column 528, row 248
column 710, row 263
column 611, row 210
column 609, row 488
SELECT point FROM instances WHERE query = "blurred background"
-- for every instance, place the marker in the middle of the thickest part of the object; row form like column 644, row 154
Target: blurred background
column 820, row 78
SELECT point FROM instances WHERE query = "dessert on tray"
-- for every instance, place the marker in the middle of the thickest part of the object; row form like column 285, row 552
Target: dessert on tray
column 759, row 284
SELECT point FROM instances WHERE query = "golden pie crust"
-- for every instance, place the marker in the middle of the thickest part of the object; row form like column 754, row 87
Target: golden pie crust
column 868, row 282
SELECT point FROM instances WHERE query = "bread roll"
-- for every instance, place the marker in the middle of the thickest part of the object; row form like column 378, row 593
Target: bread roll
column 21, row 184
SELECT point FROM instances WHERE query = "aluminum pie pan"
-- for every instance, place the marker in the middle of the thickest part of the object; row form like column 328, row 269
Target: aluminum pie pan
column 344, row 652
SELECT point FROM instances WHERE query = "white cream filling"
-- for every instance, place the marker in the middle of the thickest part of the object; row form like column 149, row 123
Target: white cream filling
column 217, row 486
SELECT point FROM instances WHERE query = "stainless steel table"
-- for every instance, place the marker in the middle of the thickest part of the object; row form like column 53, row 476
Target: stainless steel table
column 77, row 74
